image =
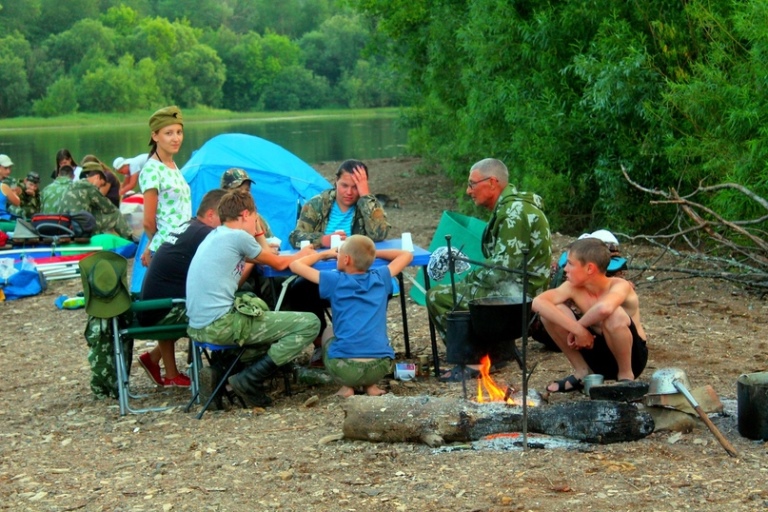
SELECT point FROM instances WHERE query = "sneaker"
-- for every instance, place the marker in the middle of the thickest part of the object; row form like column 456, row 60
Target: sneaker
column 316, row 360
column 179, row 381
column 152, row 369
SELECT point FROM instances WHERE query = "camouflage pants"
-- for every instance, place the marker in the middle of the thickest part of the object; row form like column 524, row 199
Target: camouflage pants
column 283, row 335
column 440, row 302
column 101, row 357
column 349, row 372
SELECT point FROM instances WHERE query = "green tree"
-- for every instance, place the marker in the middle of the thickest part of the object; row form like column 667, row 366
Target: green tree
column 291, row 18
column 199, row 13
column 160, row 40
column 16, row 15
column 335, row 46
column 57, row 15
column 252, row 62
column 125, row 87
column 371, row 84
column 86, row 38
column 59, row 100
column 566, row 93
column 195, row 77
column 15, row 52
column 295, row 88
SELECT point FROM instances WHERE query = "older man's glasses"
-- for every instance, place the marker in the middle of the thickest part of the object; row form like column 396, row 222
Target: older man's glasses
column 472, row 184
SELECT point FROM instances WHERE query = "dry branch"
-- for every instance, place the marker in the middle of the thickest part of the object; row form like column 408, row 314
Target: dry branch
column 734, row 250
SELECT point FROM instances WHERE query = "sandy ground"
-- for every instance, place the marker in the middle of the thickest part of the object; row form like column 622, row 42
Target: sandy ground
column 60, row 449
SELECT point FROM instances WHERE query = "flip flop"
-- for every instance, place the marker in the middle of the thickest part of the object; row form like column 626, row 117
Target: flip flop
column 576, row 385
column 455, row 374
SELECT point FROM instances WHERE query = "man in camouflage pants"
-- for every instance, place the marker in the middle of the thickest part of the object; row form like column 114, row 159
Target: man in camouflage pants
column 87, row 195
column 53, row 195
column 516, row 223
column 29, row 194
column 216, row 315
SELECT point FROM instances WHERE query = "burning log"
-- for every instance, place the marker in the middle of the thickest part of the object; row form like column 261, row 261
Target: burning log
column 435, row 421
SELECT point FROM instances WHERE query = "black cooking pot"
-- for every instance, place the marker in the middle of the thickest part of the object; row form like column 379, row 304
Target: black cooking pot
column 490, row 327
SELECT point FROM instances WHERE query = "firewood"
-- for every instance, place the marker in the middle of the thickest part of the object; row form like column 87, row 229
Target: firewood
column 436, row 421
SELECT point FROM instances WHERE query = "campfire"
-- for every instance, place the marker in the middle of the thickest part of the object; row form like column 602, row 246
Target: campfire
column 509, row 395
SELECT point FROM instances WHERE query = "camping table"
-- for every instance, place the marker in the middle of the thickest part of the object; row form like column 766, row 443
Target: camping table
column 420, row 259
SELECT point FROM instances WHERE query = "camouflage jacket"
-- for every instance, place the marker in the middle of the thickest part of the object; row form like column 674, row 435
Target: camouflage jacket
column 53, row 195
column 517, row 223
column 370, row 219
column 30, row 205
column 84, row 196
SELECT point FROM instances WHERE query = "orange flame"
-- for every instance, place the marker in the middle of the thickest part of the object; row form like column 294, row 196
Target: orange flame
column 486, row 385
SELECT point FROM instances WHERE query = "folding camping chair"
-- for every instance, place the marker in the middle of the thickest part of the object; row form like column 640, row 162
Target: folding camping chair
column 137, row 331
column 203, row 348
column 105, row 286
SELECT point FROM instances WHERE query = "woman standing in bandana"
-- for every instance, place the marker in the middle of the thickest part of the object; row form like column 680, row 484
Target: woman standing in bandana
column 167, row 197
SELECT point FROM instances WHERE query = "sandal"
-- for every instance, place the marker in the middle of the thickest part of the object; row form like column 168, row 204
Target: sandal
column 576, row 385
column 455, row 374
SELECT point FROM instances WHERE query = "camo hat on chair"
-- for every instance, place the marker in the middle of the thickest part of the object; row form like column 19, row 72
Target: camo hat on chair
column 105, row 284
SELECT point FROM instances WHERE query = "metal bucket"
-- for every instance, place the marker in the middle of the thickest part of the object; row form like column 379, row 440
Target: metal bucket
column 458, row 339
column 752, row 398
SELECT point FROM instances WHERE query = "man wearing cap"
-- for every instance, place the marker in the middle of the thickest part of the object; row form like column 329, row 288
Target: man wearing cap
column 29, row 197
column 516, row 224
column 237, row 178
column 52, row 196
column 130, row 168
column 86, row 194
column 8, row 191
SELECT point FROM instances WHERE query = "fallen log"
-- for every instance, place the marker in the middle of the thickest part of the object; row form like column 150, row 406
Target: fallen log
column 436, row 421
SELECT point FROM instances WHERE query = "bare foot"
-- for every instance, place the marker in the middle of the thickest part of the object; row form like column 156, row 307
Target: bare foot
column 374, row 391
column 345, row 392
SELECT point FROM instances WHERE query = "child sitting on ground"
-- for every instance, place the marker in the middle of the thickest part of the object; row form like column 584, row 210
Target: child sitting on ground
column 356, row 350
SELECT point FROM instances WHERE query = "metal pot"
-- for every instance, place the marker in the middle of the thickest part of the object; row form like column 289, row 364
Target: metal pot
column 670, row 381
column 496, row 323
column 663, row 381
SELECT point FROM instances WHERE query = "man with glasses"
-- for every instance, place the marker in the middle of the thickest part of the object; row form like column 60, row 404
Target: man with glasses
column 516, row 223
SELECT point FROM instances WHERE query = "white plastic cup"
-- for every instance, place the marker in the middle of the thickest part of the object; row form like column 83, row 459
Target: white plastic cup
column 335, row 241
column 406, row 243
column 304, row 243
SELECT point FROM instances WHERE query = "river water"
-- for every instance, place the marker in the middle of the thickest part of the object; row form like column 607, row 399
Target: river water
column 313, row 139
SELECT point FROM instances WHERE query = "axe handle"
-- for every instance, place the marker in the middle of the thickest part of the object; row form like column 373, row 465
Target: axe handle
column 711, row 426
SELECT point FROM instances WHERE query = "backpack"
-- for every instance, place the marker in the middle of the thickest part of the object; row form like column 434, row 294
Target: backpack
column 75, row 225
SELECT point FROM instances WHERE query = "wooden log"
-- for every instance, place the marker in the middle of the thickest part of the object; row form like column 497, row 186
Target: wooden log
column 435, row 421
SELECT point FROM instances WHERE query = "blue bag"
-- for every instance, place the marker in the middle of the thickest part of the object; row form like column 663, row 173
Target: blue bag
column 24, row 283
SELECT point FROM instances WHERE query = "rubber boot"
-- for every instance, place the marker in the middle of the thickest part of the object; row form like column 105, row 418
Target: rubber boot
column 248, row 384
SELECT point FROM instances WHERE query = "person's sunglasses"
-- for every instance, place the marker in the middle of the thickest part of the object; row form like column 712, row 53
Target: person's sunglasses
column 472, row 184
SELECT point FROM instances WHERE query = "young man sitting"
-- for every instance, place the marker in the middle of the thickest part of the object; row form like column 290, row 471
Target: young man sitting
column 356, row 350
column 608, row 337
column 217, row 316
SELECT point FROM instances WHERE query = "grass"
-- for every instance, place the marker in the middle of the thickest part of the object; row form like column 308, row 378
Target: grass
column 196, row 114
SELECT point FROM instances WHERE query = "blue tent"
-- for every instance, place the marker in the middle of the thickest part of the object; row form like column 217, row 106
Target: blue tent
column 282, row 181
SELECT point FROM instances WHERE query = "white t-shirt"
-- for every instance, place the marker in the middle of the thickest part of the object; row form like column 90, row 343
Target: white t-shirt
column 174, row 198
